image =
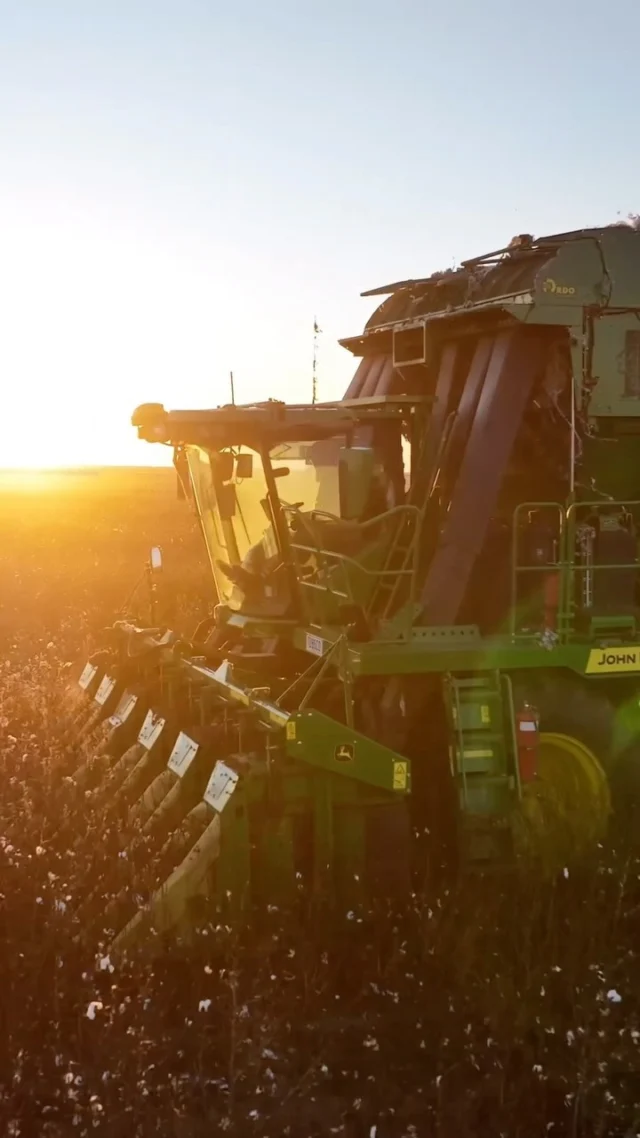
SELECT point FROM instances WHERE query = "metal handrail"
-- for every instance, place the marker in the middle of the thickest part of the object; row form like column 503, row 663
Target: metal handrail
column 345, row 562
column 369, row 524
column 572, row 521
column 600, row 505
column 516, row 569
column 565, row 565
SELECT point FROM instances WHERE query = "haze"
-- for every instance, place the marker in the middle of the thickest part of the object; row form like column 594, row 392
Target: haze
column 185, row 185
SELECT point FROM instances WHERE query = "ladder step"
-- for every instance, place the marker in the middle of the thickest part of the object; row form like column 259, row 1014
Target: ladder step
column 486, row 797
column 465, row 683
column 475, row 762
column 480, row 720
column 479, row 737
column 476, row 716
column 505, row 780
column 486, row 843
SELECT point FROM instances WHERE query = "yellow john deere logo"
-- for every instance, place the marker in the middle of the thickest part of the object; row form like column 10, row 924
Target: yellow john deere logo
column 625, row 659
column 344, row 753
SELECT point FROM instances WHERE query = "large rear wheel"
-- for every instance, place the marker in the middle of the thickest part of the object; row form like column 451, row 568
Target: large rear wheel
column 588, row 771
column 565, row 811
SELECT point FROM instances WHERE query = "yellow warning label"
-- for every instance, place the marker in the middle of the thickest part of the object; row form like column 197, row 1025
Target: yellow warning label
column 610, row 660
column 485, row 716
column 291, row 729
column 399, row 776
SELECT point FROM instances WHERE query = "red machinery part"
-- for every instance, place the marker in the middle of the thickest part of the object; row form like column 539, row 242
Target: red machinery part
column 527, row 741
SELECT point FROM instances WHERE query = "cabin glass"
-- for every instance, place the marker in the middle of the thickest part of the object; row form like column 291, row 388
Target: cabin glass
column 235, row 512
column 307, row 475
column 230, row 488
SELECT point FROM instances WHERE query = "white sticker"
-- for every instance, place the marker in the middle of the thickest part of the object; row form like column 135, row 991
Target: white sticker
column 88, row 672
column 150, row 730
column 221, row 786
column 182, row 755
column 122, row 712
column 526, row 725
column 315, row 645
column 107, row 685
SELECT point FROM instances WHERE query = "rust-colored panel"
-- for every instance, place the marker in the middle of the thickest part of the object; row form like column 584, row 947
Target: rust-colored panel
column 370, row 384
column 354, row 390
column 504, row 396
column 373, row 377
column 385, row 379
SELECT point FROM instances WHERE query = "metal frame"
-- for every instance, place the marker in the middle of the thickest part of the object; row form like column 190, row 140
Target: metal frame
column 566, row 565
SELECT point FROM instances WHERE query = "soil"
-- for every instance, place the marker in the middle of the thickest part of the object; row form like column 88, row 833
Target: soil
column 508, row 1007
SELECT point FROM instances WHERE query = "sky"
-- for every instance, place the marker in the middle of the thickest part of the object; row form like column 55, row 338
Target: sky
column 186, row 184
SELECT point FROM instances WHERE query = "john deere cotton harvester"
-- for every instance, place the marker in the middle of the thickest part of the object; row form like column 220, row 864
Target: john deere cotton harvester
column 426, row 647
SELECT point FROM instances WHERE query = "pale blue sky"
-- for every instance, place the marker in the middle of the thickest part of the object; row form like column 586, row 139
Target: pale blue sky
column 185, row 183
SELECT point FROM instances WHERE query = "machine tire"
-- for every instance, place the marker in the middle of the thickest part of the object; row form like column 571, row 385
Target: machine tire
column 587, row 713
column 569, row 708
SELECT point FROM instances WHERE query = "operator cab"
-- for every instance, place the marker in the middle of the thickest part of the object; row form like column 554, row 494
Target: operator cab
column 287, row 524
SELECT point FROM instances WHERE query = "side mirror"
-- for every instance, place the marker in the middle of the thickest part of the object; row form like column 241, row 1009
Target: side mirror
column 223, row 465
column 183, row 479
column 226, row 501
column 355, row 471
column 155, row 559
column 244, row 465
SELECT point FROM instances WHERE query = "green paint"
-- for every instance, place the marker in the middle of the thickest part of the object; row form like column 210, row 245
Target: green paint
column 321, row 559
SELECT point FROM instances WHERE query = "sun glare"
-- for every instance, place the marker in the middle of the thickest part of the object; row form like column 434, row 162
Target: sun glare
column 36, row 481
column 88, row 336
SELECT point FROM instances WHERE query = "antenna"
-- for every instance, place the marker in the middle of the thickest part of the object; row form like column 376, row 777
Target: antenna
column 233, row 390
column 314, row 380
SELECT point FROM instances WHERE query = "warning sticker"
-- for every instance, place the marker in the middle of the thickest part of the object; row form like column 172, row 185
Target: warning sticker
column 221, row 786
column 182, row 755
column 107, row 685
column 291, row 729
column 150, row 730
column 400, row 775
column 314, row 644
column 125, row 706
column 88, row 672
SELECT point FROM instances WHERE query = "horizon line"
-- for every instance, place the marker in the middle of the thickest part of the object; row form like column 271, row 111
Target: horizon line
column 80, row 467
